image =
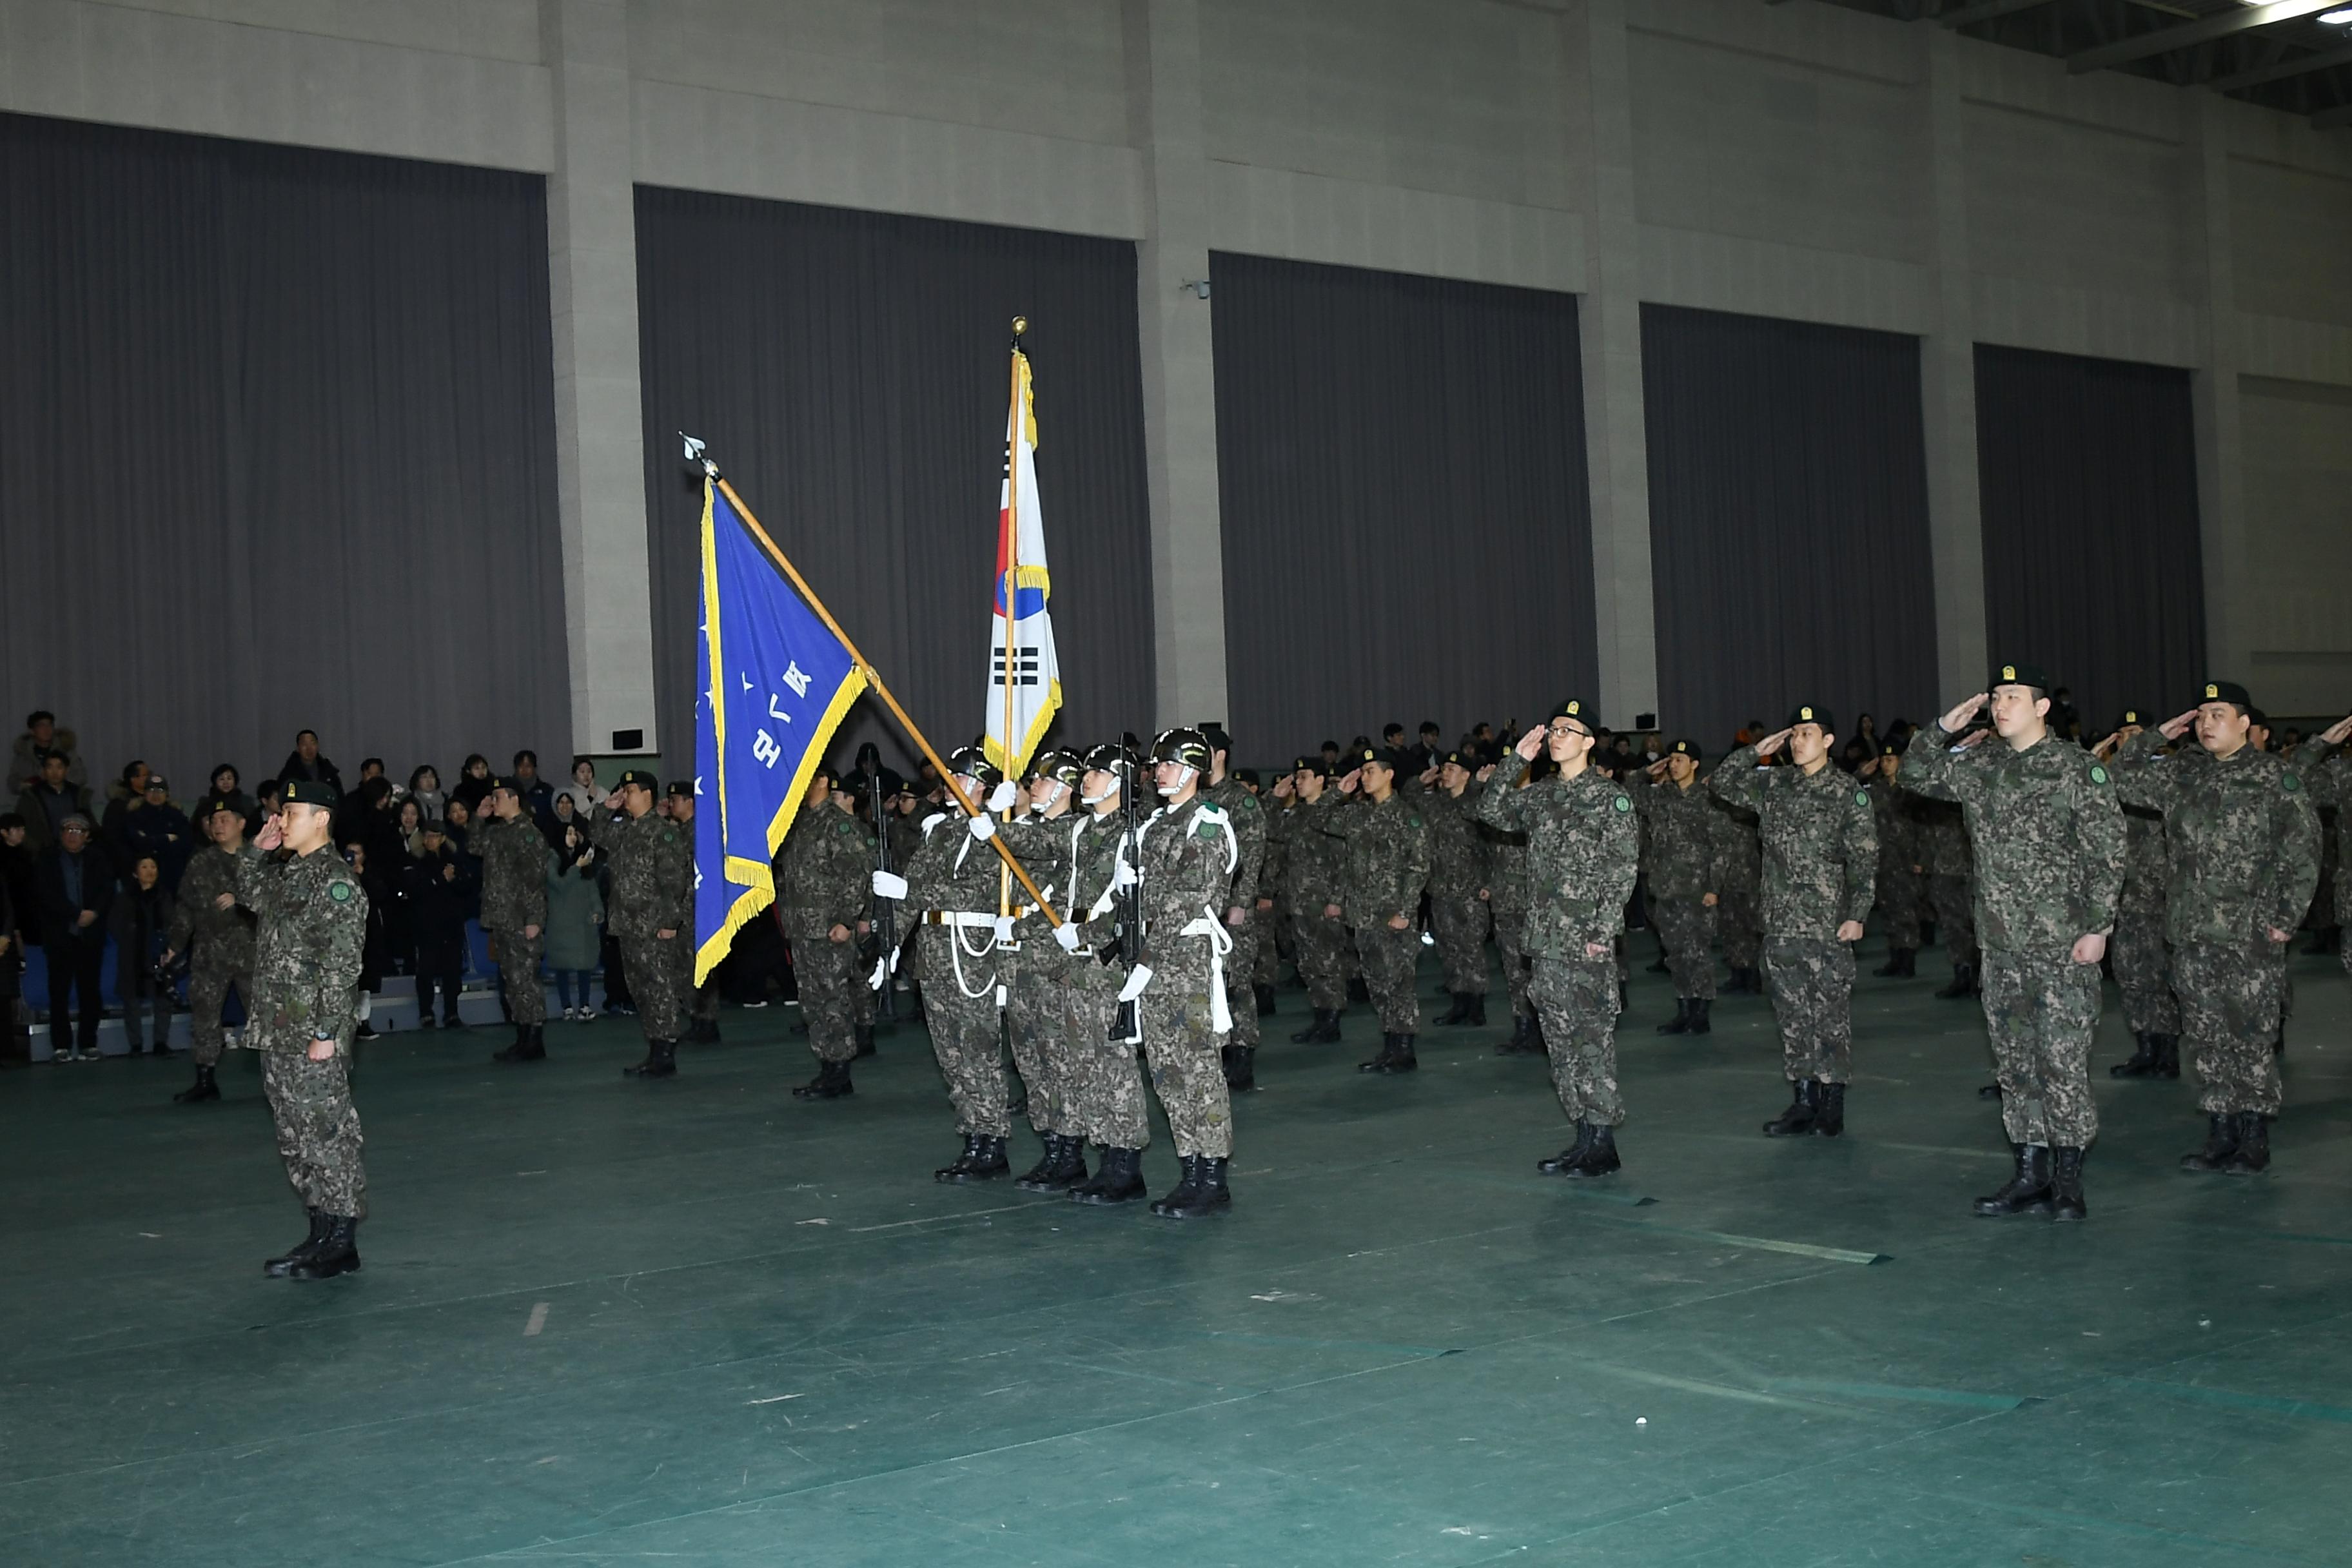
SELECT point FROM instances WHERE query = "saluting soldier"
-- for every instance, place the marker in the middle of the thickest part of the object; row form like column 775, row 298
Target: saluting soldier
column 2139, row 953
column 1821, row 872
column 1900, row 871
column 217, row 933
column 1243, row 917
column 1506, row 862
column 1740, row 906
column 1583, row 857
column 2323, row 766
column 1460, row 884
column 1312, row 888
column 1682, row 849
column 824, row 876
column 515, row 859
column 310, row 928
column 1385, row 857
column 650, row 913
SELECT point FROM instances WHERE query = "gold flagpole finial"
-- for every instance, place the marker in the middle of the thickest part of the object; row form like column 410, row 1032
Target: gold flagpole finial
column 1020, row 325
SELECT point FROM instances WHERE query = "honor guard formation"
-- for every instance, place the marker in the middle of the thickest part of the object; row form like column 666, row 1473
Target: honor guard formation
column 1164, row 892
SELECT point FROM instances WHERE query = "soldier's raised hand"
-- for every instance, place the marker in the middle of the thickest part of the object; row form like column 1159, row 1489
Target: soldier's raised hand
column 272, row 834
column 1869, row 769
column 1348, row 786
column 1962, row 712
column 1772, row 743
column 1530, row 743
column 2178, row 726
column 2335, row 734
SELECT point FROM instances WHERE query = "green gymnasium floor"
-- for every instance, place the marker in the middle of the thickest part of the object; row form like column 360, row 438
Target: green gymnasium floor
column 701, row 1322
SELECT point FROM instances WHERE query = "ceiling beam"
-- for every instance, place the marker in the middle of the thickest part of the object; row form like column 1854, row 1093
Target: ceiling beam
column 2165, row 40
column 1986, row 10
column 2334, row 119
column 2302, row 65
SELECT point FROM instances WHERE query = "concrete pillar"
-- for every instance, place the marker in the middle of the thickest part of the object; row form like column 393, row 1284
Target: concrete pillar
column 2220, row 457
column 1948, row 376
column 1609, row 325
column 1180, row 391
column 592, row 264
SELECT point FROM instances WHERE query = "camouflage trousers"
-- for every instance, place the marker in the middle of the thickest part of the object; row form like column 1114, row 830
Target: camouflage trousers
column 1241, row 974
column 1036, row 1015
column 826, row 974
column 1323, row 956
column 1518, row 967
column 1899, row 897
column 1389, row 958
column 1739, row 920
column 1186, row 1054
column 1106, row 1083
column 1686, row 930
column 1273, row 928
column 2231, row 999
column 1955, row 918
column 2041, row 1010
column 1577, row 1000
column 1459, row 923
column 317, row 1128
column 517, row 958
column 1812, row 999
column 658, row 982
column 2143, row 963
column 209, row 986
column 967, row 1032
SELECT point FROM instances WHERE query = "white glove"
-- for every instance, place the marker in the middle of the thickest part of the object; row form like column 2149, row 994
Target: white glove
column 983, row 827
column 890, row 885
column 1136, row 979
column 1004, row 928
column 1000, row 798
column 881, row 976
column 1066, row 935
column 1123, row 879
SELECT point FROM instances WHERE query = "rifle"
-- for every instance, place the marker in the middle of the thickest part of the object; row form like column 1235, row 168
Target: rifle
column 1126, row 1028
column 885, row 912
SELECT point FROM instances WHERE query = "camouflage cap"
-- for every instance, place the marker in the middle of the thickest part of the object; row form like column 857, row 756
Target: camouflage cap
column 2226, row 691
column 1812, row 713
column 2031, row 675
column 311, row 792
column 1187, row 746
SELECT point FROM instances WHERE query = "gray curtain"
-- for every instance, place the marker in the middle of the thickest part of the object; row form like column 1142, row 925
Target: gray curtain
column 1789, row 543
column 277, row 451
column 2087, row 469
column 850, row 371
column 1408, row 534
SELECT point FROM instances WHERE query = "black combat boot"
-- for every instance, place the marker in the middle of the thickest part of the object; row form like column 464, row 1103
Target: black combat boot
column 1828, row 1109
column 1070, row 1169
column 1988, row 1091
column 1600, row 1156
column 529, row 1046
column 1478, row 1008
column 830, row 1082
column 1457, row 1014
column 2253, row 1155
column 983, row 1160
column 1522, row 1040
column 280, row 1267
column 1962, row 984
column 1323, row 1031
column 2142, row 1063
column 2167, row 1056
column 1208, row 1195
column 661, row 1062
column 1264, row 996
column 1396, row 1056
column 1574, row 1154
column 2027, row 1191
column 1120, row 1180
column 206, row 1086
column 1902, row 964
column 1241, row 1067
column 1357, row 991
column 864, row 1037
column 1038, row 1178
column 1187, row 1188
column 1680, row 1023
column 1798, row 1119
column 2220, row 1143
column 2066, row 1184
column 1700, row 1008
column 337, row 1252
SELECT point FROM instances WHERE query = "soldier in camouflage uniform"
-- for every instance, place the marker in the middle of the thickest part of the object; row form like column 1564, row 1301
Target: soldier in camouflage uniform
column 2324, row 767
column 2138, row 953
column 650, row 913
column 1506, row 860
column 1031, row 965
column 1385, row 867
column 1951, row 895
column 515, row 859
column 1901, row 873
column 221, row 929
column 1184, row 870
column 1460, row 890
column 1272, row 915
column 2244, row 842
column 1681, row 838
column 1739, row 903
column 303, row 1016
column 1821, row 872
column 1311, row 888
column 1583, row 857
column 702, row 1001
column 2049, row 870
column 824, row 875
column 1243, row 917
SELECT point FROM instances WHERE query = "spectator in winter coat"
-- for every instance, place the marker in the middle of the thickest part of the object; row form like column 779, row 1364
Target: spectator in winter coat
column 425, row 789
column 42, row 736
column 473, row 783
column 538, row 795
column 436, row 895
column 77, row 890
column 47, row 804
column 124, row 792
column 470, row 864
column 575, row 921
column 305, row 762
column 226, row 785
column 153, row 826
column 16, row 1044
column 16, row 875
column 141, row 922
column 583, row 791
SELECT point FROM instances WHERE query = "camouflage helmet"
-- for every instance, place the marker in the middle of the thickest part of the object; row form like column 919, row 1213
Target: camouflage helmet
column 1062, row 766
column 974, row 764
column 1187, row 746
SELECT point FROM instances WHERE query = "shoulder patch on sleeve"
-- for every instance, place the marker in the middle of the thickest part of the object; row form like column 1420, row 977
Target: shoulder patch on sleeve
column 2289, row 782
column 339, row 892
column 2098, row 774
column 669, row 835
column 1862, row 797
column 1622, row 802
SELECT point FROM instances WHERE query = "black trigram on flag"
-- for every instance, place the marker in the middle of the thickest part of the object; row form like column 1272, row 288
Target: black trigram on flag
column 1025, row 665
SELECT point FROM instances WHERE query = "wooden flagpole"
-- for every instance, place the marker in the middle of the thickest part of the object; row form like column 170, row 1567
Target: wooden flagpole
column 874, row 680
column 1015, row 427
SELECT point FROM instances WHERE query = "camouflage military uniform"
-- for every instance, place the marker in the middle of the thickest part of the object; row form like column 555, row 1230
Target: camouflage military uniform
column 1820, row 869
column 1739, row 901
column 1188, row 860
column 1384, row 865
column 1900, row 888
column 1273, row 923
column 311, row 926
column 1248, row 818
column 222, row 955
column 1583, row 856
column 824, row 876
column 1459, row 888
column 2244, row 843
column 1682, row 834
column 1068, row 1000
column 1311, row 867
column 1951, row 880
column 515, row 858
column 2049, row 841
column 651, row 861
column 2143, row 957
column 1506, row 862
column 2326, row 772
column 955, row 883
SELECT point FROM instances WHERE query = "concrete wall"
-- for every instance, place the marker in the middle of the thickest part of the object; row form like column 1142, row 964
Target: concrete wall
column 1797, row 160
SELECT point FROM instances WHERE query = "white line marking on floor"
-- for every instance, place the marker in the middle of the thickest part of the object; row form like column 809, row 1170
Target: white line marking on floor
column 538, row 1321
